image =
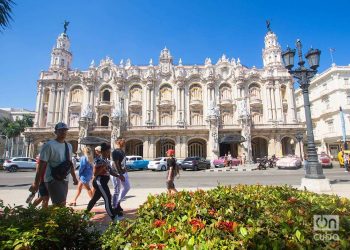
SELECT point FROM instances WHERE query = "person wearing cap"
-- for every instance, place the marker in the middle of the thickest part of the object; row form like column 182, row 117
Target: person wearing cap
column 172, row 172
column 119, row 161
column 101, row 173
column 53, row 154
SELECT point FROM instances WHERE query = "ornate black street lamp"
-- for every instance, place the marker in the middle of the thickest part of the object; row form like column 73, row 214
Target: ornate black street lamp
column 299, row 137
column 303, row 75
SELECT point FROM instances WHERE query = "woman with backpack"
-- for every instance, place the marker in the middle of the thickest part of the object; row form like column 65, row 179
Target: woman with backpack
column 173, row 171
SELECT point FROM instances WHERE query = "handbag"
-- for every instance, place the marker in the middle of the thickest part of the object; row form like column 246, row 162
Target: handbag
column 61, row 171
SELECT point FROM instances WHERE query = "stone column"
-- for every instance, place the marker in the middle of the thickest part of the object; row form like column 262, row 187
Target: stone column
column 273, row 101
column 38, row 107
column 146, row 146
column 278, row 146
column 292, row 115
column 57, row 104
column 52, row 99
column 178, row 146
column 152, row 148
column 269, row 107
column 271, row 147
column 62, row 105
column 279, row 104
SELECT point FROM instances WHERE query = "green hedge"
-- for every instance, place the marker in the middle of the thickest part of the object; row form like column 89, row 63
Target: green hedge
column 52, row 228
column 240, row 217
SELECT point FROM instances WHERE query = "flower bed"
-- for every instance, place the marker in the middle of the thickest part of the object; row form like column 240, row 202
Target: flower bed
column 240, row 217
column 52, row 228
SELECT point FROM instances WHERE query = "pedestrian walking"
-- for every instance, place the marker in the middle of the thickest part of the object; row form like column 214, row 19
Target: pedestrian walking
column 121, row 188
column 55, row 157
column 100, row 182
column 172, row 172
column 98, row 151
column 85, row 174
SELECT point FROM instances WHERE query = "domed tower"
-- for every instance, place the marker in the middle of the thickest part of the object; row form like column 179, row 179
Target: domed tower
column 61, row 57
column 272, row 51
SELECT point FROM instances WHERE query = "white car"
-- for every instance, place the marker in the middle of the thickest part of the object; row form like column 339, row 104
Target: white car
column 15, row 163
column 158, row 164
column 289, row 161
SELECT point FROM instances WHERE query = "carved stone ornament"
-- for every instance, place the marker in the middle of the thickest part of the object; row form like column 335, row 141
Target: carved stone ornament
column 165, row 69
column 180, row 73
column 87, row 112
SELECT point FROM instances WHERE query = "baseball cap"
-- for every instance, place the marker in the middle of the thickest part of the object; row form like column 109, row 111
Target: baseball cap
column 61, row 125
column 98, row 148
column 171, row 152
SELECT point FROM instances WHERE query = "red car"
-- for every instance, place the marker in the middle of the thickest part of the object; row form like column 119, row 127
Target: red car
column 219, row 163
column 325, row 160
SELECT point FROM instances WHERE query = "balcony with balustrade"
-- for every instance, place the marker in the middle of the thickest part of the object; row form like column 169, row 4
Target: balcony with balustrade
column 196, row 103
column 255, row 101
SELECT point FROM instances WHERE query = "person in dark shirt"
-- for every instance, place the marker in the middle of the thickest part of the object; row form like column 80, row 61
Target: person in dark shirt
column 172, row 172
column 100, row 182
column 119, row 161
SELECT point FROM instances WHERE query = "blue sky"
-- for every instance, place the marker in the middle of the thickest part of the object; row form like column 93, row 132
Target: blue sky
column 135, row 29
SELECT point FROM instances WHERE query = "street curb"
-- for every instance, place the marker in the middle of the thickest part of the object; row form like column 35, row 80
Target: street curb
column 231, row 170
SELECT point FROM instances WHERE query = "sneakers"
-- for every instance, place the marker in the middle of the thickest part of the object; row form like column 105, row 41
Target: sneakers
column 118, row 218
column 117, row 212
column 119, row 207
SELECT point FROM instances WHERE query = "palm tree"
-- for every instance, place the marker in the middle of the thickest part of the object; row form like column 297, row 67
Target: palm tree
column 5, row 13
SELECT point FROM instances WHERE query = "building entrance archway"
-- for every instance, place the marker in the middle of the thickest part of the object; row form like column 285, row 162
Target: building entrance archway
column 197, row 147
column 134, row 147
column 259, row 148
column 163, row 145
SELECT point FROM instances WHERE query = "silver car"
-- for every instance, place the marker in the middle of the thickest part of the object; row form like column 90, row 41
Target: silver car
column 16, row 163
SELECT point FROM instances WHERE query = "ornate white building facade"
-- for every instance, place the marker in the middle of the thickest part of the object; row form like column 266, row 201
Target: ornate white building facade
column 205, row 110
column 329, row 91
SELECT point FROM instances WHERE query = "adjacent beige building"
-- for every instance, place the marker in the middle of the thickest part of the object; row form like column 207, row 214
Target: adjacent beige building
column 329, row 91
column 204, row 110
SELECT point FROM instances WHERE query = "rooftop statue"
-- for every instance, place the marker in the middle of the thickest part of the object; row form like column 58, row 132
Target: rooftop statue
column 65, row 25
column 268, row 24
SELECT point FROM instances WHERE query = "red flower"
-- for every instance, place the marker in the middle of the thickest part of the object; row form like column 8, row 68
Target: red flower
column 292, row 200
column 159, row 223
column 153, row 246
column 161, row 246
column 212, row 212
column 197, row 224
column 171, row 230
column 170, row 206
column 228, row 226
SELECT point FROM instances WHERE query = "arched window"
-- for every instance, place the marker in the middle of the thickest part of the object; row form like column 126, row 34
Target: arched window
column 106, row 95
column 105, row 121
column 135, row 119
column 165, row 118
column 62, row 62
column 196, row 117
column 76, row 95
column 254, row 91
column 165, row 93
column 225, row 93
column 226, row 118
column 136, row 94
column 196, row 92
column 197, row 148
column 46, row 95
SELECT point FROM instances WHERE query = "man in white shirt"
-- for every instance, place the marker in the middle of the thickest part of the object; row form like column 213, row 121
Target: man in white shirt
column 53, row 154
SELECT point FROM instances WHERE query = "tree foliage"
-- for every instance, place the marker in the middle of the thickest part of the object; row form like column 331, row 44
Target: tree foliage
column 14, row 128
column 5, row 13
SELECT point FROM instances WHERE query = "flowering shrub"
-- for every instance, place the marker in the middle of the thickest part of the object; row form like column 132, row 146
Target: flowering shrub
column 240, row 217
column 52, row 228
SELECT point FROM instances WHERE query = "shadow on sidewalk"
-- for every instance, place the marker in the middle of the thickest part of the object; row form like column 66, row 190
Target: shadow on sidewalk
column 102, row 220
column 338, row 181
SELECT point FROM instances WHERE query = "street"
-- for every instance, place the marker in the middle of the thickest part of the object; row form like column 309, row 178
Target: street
column 193, row 179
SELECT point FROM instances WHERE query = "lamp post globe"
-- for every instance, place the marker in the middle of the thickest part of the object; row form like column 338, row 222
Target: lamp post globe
column 303, row 75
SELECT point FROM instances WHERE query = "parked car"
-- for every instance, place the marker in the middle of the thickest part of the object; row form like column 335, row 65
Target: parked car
column 158, row 164
column 16, row 163
column 289, row 161
column 325, row 160
column 219, row 163
column 179, row 163
column 136, row 162
column 195, row 163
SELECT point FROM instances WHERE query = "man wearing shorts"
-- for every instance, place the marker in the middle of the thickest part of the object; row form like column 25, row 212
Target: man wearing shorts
column 43, row 195
column 53, row 154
